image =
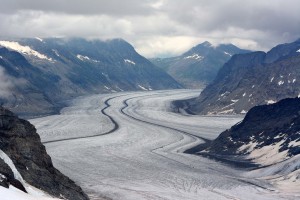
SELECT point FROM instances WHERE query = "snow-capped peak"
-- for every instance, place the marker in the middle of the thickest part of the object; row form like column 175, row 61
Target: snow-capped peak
column 207, row 44
column 23, row 49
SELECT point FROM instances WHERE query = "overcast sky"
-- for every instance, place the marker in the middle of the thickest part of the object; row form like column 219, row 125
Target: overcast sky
column 157, row 27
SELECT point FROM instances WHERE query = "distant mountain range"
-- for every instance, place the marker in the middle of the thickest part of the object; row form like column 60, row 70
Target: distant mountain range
column 247, row 80
column 199, row 65
column 42, row 73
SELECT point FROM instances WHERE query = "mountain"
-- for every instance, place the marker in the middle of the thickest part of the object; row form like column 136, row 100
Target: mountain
column 268, row 136
column 247, row 80
column 52, row 70
column 199, row 65
column 25, row 164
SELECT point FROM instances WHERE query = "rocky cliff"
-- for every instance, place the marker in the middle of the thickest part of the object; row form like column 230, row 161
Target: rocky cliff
column 268, row 134
column 20, row 142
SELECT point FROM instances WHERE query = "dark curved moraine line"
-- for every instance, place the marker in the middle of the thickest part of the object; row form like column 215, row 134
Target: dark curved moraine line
column 159, row 125
column 103, row 111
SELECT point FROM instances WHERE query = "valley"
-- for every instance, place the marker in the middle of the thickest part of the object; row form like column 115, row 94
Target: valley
column 130, row 145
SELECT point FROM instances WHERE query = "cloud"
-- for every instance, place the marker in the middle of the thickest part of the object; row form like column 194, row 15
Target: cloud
column 8, row 84
column 157, row 27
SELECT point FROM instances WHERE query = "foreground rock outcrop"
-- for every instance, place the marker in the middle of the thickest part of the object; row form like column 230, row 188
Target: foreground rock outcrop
column 20, row 142
column 265, row 132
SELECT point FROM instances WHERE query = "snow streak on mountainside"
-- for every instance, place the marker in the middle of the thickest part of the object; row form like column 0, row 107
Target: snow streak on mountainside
column 139, row 155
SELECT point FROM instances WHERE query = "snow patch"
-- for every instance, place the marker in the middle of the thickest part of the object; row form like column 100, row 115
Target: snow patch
column 227, row 53
column 12, row 166
column 229, row 111
column 234, row 100
column 298, row 51
column 143, row 88
column 224, row 93
column 129, row 61
column 270, row 102
column 14, row 193
column 1, row 57
column 56, row 52
column 294, row 80
column 268, row 155
column 247, row 148
column 24, row 49
column 294, row 143
column 86, row 58
column 194, row 56
column 253, row 86
column 39, row 39
column 243, row 112
column 81, row 57
column 280, row 82
column 119, row 88
column 272, row 79
column 244, row 94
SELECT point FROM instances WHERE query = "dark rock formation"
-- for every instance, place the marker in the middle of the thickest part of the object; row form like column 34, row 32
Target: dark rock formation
column 19, row 140
column 264, row 125
column 6, row 174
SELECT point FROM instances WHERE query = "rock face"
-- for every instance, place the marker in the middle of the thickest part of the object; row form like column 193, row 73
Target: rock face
column 247, row 80
column 19, row 141
column 199, row 65
column 268, row 134
column 45, row 72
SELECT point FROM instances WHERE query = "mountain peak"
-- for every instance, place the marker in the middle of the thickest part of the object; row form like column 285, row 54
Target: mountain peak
column 206, row 44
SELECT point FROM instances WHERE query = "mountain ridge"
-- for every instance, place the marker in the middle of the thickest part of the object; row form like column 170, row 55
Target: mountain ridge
column 247, row 80
column 75, row 67
column 199, row 65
